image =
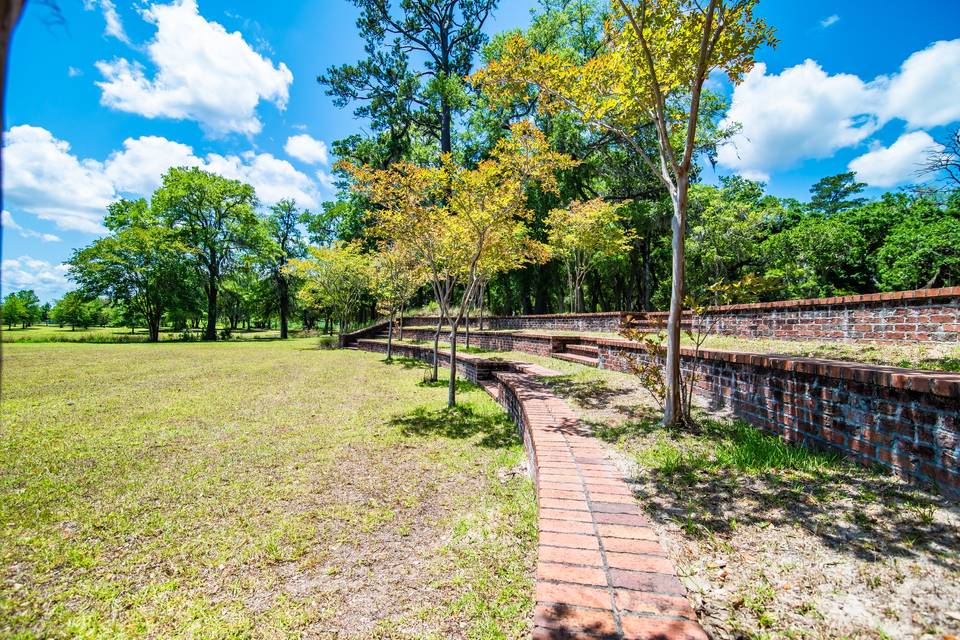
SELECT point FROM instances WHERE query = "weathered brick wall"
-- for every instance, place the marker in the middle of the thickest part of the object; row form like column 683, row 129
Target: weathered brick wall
column 528, row 343
column 907, row 421
column 471, row 367
column 593, row 322
column 925, row 316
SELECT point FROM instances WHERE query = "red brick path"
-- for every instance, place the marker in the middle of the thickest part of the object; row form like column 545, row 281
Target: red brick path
column 601, row 573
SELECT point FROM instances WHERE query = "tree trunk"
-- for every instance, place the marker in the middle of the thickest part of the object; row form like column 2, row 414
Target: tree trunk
column 466, row 326
column 483, row 291
column 446, row 119
column 390, row 339
column 646, row 273
column 452, row 387
column 673, row 410
column 210, row 333
column 436, row 348
column 153, row 327
column 400, row 325
column 284, row 308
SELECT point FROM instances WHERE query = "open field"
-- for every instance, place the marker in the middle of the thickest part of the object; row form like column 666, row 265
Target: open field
column 107, row 335
column 254, row 489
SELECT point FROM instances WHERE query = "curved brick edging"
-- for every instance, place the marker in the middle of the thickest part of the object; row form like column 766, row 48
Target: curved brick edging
column 601, row 573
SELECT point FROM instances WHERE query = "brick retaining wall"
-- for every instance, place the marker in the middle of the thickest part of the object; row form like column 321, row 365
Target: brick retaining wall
column 472, row 367
column 905, row 420
column 922, row 316
column 929, row 316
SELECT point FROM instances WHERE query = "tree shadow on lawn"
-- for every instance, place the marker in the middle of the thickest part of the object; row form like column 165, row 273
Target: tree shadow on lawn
column 591, row 394
column 459, row 422
column 725, row 474
column 407, row 363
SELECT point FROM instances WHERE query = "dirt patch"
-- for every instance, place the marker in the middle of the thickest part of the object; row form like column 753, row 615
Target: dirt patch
column 777, row 543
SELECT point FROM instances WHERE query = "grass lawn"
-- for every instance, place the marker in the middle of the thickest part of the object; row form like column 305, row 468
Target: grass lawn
column 103, row 335
column 254, row 489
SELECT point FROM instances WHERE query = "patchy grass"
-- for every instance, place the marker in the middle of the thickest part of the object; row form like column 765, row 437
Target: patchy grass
column 938, row 357
column 254, row 489
column 116, row 335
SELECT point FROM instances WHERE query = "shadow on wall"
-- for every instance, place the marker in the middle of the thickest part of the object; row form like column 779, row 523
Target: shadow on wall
column 462, row 421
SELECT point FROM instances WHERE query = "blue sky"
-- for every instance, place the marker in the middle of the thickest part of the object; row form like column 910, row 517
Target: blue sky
column 100, row 106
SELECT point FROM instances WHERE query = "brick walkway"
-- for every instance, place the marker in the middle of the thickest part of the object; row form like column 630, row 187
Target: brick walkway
column 601, row 573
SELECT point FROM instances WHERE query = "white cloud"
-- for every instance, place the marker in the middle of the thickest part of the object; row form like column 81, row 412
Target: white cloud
column 73, row 72
column 8, row 223
column 829, row 21
column 306, row 148
column 326, row 180
column 114, row 26
column 926, row 91
column 203, row 73
column 43, row 178
column 805, row 113
column 47, row 280
column 137, row 169
column 800, row 113
column 274, row 179
column 896, row 164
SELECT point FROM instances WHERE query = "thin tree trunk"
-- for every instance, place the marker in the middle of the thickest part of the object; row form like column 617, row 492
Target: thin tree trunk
column 436, row 348
column 672, row 405
column 284, row 309
column 400, row 324
column 210, row 333
column 452, row 387
column 390, row 340
column 466, row 327
column 483, row 291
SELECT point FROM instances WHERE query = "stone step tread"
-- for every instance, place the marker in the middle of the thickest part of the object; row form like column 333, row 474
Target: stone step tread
column 572, row 357
column 584, row 349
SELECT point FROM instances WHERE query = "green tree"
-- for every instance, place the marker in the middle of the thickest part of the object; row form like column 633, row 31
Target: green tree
column 139, row 265
column 14, row 311
column 923, row 249
column 285, row 244
column 214, row 218
column 647, row 82
column 31, row 306
column 582, row 235
column 813, row 259
column 395, row 277
column 74, row 309
column 444, row 34
column 335, row 278
column 834, row 194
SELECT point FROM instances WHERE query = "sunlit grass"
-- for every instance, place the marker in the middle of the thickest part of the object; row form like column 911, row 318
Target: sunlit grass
column 234, row 489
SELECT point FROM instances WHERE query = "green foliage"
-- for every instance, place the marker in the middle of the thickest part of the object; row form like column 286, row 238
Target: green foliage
column 834, row 194
column 214, row 218
column 139, row 265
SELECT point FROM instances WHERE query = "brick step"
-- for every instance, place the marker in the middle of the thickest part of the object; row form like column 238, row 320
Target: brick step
column 572, row 357
column 590, row 350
